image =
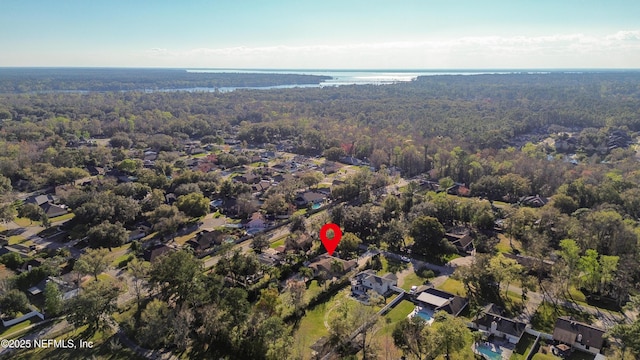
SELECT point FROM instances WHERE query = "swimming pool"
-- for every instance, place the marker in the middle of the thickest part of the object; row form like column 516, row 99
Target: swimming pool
column 424, row 315
column 488, row 353
column 316, row 206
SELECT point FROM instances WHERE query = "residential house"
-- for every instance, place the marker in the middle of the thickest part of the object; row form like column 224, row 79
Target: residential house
column 68, row 287
column 578, row 335
column 462, row 240
column 437, row 300
column 257, row 221
column 534, row 201
column 41, row 199
column 170, row 198
column 205, row 240
column 492, row 321
column 532, row 264
column 31, row 264
column 459, row 190
column 324, row 264
column 247, row 178
column 53, row 210
column 369, row 281
column 282, row 177
column 142, row 229
column 95, row 170
column 330, row 167
column 350, row 160
column 309, row 197
column 231, row 141
column 262, row 186
column 271, row 257
column 153, row 252
column 21, row 250
column 428, row 185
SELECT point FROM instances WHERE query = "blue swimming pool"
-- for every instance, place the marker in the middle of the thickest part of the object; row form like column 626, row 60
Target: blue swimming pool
column 488, row 353
column 424, row 315
column 316, row 206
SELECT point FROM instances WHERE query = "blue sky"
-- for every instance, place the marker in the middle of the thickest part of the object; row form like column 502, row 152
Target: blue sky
column 391, row 34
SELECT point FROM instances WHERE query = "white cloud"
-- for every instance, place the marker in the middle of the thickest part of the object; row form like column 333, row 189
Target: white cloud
column 620, row 49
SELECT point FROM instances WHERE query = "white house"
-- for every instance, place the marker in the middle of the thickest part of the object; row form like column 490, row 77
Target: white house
column 368, row 280
column 492, row 322
column 256, row 222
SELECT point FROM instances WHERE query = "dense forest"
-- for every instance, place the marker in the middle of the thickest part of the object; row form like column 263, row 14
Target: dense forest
column 541, row 165
column 27, row 80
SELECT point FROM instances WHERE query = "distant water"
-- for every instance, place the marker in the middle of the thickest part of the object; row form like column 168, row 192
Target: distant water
column 350, row 77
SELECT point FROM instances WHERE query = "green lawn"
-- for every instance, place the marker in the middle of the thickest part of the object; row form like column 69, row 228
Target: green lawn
column 15, row 328
column 278, row 242
column 24, row 222
column 523, row 347
column 313, row 289
column 385, row 265
column 122, row 260
column 412, row 279
column 577, row 295
column 454, row 287
column 504, row 246
column 540, row 356
column 62, row 217
column 311, row 327
column 105, row 346
column 16, row 239
column 449, row 257
column 301, row 212
column 545, row 316
column 399, row 312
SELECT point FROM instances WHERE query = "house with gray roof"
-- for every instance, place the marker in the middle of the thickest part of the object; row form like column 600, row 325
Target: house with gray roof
column 492, row 321
column 369, row 281
column 578, row 335
column 437, row 300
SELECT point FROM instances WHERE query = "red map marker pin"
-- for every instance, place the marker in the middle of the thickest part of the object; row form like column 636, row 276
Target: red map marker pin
column 330, row 244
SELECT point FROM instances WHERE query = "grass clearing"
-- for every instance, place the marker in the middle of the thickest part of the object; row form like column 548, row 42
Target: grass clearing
column 399, row 312
column 5, row 272
column 454, row 287
column 64, row 217
column 122, row 260
column 540, row 356
column 313, row 289
column 181, row 240
column 301, row 212
column 105, row 346
column 411, row 280
column 24, row 222
column 544, row 319
column 279, row 242
column 577, row 295
column 16, row 239
column 385, row 265
column 14, row 328
column 504, row 246
column 523, row 347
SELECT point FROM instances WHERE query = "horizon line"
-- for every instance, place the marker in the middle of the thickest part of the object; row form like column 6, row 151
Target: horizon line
column 331, row 69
